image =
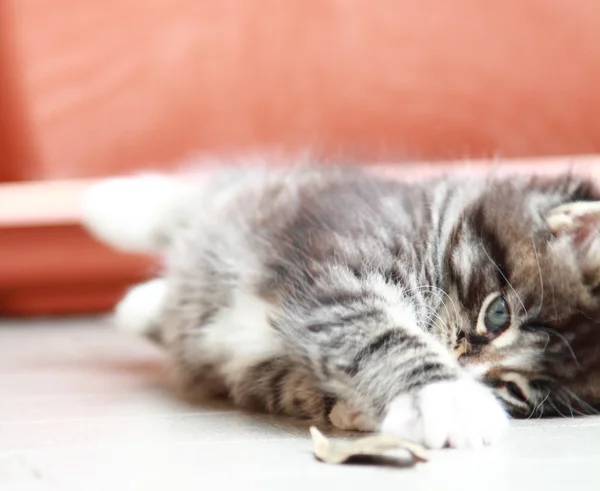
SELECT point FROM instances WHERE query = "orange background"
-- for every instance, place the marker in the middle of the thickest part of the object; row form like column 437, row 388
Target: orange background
column 90, row 88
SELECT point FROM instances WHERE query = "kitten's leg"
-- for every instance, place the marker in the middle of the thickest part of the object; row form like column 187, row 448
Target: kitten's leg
column 371, row 354
column 139, row 213
column 280, row 386
column 140, row 308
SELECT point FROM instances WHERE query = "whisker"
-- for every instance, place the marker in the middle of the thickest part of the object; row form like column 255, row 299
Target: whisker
column 537, row 258
column 549, row 330
column 595, row 321
column 539, row 406
column 506, row 279
column 436, row 289
column 584, row 405
column 429, row 287
column 567, row 403
column 551, row 402
column 434, row 314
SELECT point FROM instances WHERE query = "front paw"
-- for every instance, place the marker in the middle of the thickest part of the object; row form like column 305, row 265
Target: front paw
column 459, row 413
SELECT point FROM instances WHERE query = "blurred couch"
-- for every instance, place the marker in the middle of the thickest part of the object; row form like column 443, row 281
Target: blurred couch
column 95, row 88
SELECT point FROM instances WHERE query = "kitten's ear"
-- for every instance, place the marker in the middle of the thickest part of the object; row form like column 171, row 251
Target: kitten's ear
column 581, row 221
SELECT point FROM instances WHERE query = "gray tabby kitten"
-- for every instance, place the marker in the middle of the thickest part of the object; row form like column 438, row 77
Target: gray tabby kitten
column 429, row 310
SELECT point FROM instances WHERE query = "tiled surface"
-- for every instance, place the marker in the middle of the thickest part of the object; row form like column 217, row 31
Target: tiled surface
column 83, row 408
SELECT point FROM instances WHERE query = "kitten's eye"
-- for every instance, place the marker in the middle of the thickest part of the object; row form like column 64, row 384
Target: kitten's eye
column 497, row 315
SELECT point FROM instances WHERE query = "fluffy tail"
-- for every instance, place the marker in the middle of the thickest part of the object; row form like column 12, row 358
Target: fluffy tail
column 139, row 213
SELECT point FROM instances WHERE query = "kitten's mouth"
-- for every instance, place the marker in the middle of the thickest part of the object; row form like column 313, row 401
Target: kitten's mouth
column 473, row 365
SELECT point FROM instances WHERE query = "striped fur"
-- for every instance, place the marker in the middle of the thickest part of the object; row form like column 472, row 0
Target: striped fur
column 294, row 291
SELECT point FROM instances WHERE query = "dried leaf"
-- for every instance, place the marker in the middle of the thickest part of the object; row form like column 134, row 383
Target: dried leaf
column 376, row 448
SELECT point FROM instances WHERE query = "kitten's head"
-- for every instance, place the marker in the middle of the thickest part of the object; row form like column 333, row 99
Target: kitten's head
column 524, row 278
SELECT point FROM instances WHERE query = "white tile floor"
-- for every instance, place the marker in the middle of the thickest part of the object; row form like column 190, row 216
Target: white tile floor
column 83, row 408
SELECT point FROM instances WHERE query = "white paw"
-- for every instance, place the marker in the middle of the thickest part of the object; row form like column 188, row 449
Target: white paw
column 140, row 308
column 343, row 417
column 136, row 214
column 459, row 414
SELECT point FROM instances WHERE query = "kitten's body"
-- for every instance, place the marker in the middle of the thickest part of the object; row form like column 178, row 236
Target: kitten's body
column 336, row 294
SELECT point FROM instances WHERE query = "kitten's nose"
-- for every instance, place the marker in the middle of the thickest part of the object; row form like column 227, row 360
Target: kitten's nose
column 467, row 362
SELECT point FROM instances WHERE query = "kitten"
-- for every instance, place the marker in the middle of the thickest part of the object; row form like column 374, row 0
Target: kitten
column 430, row 310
